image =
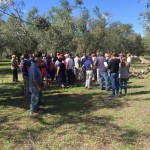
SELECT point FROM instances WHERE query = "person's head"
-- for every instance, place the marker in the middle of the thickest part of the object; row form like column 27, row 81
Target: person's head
column 66, row 55
column 123, row 61
column 89, row 57
column 70, row 55
column 101, row 54
column 77, row 55
column 26, row 56
column 113, row 55
column 128, row 55
column 58, row 54
column 22, row 57
column 38, row 60
column 107, row 55
column 13, row 56
column 48, row 56
column 60, row 59
column 93, row 55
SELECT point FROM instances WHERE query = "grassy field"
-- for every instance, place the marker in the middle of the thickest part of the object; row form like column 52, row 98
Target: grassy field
column 75, row 118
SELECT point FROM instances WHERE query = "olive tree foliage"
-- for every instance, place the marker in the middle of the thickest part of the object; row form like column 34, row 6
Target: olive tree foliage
column 17, row 37
column 145, row 17
column 59, row 30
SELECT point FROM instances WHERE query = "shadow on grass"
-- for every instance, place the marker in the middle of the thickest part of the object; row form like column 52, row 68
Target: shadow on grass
column 140, row 92
column 5, row 71
column 74, row 109
column 135, row 86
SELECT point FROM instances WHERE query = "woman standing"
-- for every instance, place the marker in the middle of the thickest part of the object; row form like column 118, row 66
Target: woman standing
column 124, row 74
column 14, row 68
column 61, row 73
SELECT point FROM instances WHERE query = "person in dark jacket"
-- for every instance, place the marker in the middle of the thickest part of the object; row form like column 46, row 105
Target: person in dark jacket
column 25, row 69
column 113, row 66
column 61, row 73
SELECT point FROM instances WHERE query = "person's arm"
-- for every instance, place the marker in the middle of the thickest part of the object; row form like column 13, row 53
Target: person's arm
column 109, row 65
column 58, row 69
column 34, row 74
column 91, row 66
column 105, row 64
column 67, row 64
column 95, row 64
column 37, row 84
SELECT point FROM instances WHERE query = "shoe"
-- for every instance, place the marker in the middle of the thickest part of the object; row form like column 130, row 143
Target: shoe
column 117, row 95
column 111, row 96
column 34, row 113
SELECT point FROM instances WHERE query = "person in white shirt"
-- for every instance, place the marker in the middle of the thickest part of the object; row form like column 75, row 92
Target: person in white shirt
column 76, row 66
column 129, row 59
column 69, row 68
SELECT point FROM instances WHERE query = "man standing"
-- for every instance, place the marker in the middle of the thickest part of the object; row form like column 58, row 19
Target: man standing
column 69, row 67
column 89, row 72
column 76, row 66
column 113, row 66
column 102, row 66
column 25, row 69
column 35, row 84
column 14, row 68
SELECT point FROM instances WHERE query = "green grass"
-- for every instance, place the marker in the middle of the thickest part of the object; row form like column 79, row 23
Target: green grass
column 75, row 118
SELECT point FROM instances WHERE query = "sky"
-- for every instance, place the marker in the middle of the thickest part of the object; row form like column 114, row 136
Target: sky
column 125, row 11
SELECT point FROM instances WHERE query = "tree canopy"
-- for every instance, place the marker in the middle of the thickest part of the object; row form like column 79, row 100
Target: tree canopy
column 59, row 30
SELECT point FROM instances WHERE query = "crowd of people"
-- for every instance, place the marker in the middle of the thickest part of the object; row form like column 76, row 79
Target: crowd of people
column 66, row 69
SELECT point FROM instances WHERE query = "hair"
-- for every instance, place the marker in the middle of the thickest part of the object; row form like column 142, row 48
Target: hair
column 22, row 57
column 114, row 54
column 123, row 61
column 38, row 54
column 36, row 59
column 26, row 56
column 101, row 54
column 60, row 59
column 13, row 56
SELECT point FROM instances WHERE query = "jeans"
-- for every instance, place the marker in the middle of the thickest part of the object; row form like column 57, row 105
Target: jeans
column 104, row 76
column 123, row 84
column 70, row 74
column 115, row 83
column 26, row 87
column 15, row 74
column 89, row 75
column 98, row 75
column 36, row 97
column 76, row 73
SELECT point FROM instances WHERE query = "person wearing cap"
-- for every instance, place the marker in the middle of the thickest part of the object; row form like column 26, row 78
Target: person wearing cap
column 35, row 84
column 14, row 68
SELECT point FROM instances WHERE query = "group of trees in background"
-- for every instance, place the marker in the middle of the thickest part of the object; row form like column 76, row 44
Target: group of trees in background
column 67, row 28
